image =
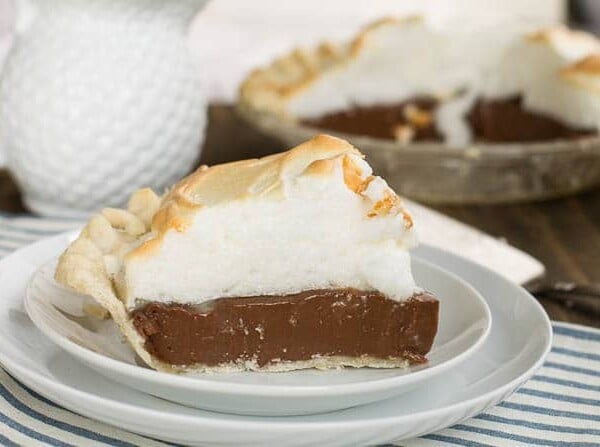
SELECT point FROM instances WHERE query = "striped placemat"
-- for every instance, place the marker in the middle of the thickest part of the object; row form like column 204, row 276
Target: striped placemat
column 559, row 406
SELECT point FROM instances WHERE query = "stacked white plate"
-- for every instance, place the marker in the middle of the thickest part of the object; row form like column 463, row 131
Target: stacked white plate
column 492, row 337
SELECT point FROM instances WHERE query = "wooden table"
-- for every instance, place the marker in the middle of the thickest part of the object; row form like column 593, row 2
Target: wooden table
column 563, row 234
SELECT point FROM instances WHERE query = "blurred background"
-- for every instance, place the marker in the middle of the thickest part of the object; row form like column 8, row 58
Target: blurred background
column 232, row 36
column 251, row 33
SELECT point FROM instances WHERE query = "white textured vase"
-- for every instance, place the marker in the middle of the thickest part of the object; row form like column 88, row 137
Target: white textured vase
column 98, row 98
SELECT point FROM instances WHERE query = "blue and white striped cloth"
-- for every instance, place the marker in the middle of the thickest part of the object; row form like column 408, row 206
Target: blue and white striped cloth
column 559, row 406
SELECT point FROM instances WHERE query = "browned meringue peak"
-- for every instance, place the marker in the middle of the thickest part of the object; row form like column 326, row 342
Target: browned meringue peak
column 585, row 72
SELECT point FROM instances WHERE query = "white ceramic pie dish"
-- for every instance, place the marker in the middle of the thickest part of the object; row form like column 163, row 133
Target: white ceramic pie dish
column 465, row 322
column 516, row 347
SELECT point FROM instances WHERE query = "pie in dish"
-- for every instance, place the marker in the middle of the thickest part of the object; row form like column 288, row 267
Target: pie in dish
column 411, row 81
column 295, row 260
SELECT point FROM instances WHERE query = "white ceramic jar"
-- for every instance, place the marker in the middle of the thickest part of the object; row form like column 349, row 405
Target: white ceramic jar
column 99, row 98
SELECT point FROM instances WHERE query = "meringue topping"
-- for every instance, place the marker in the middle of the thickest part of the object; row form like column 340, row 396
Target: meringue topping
column 305, row 219
column 314, row 217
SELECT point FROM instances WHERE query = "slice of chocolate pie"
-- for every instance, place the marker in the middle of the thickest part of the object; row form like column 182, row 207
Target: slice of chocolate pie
column 295, row 260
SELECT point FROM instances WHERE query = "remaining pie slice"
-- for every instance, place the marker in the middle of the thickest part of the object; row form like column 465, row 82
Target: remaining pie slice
column 295, row 260
column 411, row 81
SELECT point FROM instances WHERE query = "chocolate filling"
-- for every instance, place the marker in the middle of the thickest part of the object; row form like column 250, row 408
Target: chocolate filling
column 272, row 329
column 492, row 121
column 414, row 117
column 507, row 121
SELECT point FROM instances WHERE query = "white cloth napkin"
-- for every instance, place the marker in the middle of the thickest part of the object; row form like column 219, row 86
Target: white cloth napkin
column 449, row 234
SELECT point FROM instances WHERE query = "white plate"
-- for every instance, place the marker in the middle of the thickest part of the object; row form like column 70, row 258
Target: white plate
column 518, row 342
column 465, row 322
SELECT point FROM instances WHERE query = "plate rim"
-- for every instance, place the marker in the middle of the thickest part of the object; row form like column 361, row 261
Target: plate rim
column 42, row 384
column 196, row 384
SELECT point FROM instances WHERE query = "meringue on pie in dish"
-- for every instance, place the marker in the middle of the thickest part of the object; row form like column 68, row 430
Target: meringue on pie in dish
column 291, row 261
column 408, row 80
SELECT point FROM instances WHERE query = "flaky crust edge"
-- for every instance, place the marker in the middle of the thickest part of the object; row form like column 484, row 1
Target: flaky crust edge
column 81, row 267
